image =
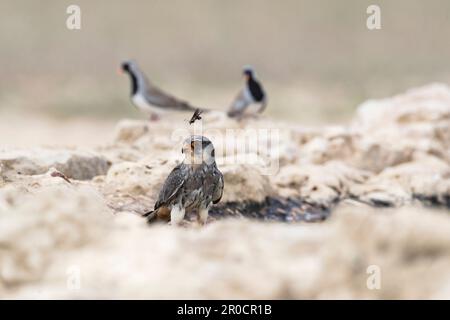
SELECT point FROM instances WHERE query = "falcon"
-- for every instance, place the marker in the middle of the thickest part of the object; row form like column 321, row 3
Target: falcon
column 194, row 184
column 149, row 98
column 252, row 93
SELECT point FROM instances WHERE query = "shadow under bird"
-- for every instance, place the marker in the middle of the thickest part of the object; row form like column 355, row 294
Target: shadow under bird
column 149, row 98
column 194, row 184
column 252, row 93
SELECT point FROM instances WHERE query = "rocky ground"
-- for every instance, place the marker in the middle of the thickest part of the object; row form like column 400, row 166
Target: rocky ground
column 306, row 212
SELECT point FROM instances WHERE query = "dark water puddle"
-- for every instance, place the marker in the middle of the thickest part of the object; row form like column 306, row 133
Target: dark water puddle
column 272, row 209
column 296, row 209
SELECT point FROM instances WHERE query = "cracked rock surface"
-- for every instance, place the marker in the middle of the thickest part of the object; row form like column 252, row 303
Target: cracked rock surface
column 377, row 190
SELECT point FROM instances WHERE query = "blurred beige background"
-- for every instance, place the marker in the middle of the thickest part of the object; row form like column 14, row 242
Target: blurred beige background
column 317, row 59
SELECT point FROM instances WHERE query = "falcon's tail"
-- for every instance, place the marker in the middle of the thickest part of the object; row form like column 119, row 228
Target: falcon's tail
column 151, row 215
column 161, row 213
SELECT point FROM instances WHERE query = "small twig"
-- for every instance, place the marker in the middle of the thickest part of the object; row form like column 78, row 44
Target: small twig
column 60, row 175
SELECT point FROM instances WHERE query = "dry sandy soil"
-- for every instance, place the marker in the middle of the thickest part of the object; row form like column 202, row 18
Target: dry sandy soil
column 382, row 183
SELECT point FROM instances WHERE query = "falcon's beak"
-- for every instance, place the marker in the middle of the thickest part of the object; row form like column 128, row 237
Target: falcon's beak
column 186, row 149
column 192, row 147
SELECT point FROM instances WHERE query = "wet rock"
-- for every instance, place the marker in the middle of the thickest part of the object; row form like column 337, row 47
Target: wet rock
column 271, row 209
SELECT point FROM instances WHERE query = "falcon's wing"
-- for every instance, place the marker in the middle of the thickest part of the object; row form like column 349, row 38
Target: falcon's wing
column 239, row 104
column 172, row 186
column 218, row 190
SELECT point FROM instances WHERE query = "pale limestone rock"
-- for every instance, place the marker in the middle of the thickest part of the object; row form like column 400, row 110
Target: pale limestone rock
column 319, row 184
column 248, row 260
column 374, row 156
column 429, row 104
column 379, row 192
column 244, row 183
column 36, row 226
column 395, row 186
column 395, row 153
column 396, row 130
column 128, row 131
column 130, row 177
column 76, row 164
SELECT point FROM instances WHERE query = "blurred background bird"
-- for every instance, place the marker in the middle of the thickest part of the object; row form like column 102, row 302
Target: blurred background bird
column 149, row 98
column 252, row 94
column 317, row 59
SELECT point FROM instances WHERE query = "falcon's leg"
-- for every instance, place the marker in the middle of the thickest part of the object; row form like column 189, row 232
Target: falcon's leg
column 154, row 117
column 203, row 215
column 176, row 215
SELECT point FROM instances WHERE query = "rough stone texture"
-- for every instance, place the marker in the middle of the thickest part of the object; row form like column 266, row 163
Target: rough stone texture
column 76, row 164
column 37, row 224
column 122, row 257
column 385, row 178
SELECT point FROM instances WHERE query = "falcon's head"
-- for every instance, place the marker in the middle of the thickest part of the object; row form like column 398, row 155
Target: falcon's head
column 198, row 150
